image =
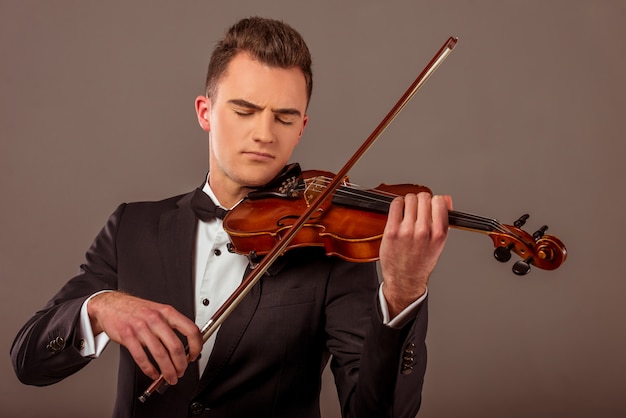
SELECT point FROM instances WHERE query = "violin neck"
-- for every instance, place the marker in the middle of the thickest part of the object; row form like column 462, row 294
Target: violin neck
column 477, row 223
column 376, row 202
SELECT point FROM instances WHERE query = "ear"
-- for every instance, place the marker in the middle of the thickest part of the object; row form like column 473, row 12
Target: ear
column 305, row 120
column 203, row 111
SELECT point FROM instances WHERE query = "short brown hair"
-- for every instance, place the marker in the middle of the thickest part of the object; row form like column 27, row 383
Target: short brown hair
column 269, row 41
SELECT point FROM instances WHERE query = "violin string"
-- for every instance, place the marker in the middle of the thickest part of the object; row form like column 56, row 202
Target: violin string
column 380, row 196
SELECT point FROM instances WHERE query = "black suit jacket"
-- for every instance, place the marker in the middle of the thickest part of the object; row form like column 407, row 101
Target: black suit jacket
column 270, row 352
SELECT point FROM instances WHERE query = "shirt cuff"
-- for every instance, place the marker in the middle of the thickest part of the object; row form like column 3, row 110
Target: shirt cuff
column 403, row 317
column 90, row 345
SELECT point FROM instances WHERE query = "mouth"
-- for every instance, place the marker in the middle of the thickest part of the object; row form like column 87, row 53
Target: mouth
column 258, row 156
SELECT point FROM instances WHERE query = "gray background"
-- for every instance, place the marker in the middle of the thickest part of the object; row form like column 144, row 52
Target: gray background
column 526, row 115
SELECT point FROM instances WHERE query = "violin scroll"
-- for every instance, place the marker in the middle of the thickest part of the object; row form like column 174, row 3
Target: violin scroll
column 544, row 251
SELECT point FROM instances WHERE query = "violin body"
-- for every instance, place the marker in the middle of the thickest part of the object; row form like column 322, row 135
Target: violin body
column 256, row 225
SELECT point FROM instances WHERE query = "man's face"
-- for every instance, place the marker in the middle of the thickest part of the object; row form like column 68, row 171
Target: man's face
column 255, row 122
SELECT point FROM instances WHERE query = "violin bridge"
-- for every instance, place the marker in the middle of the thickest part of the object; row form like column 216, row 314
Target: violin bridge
column 313, row 187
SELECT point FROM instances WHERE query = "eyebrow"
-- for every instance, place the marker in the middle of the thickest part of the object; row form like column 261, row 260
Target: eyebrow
column 252, row 106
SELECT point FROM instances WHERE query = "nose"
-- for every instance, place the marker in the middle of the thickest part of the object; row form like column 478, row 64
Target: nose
column 263, row 130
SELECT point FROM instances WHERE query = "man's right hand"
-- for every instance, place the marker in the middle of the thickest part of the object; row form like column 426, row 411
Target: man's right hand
column 138, row 323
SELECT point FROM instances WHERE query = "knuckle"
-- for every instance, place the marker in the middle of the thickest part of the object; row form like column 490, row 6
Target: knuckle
column 410, row 197
column 440, row 236
column 397, row 204
column 159, row 353
column 150, row 317
column 422, row 232
column 178, row 350
column 139, row 325
column 168, row 311
column 126, row 331
column 145, row 365
column 147, row 370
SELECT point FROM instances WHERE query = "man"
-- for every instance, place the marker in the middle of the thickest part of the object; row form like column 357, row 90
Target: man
column 156, row 267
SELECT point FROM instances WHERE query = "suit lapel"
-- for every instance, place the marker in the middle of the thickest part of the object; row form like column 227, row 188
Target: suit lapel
column 230, row 333
column 176, row 243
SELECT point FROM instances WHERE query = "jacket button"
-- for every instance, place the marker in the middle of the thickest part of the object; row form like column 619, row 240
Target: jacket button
column 196, row 408
column 407, row 369
column 408, row 359
column 56, row 345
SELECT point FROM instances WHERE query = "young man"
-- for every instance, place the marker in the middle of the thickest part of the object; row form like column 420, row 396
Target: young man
column 157, row 267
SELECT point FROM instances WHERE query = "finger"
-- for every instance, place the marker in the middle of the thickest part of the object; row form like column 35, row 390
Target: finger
column 424, row 210
column 422, row 226
column 190, row 330
column 194, row 341
column 395, row 215
column 170, row 349
column 155, row 334
column 161, row 356
column 440, row 214
column 448, row 200
column 138, row 354
column 179, row 355
column 411, row 208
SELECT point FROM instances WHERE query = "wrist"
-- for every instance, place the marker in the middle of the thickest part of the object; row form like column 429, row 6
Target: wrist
column 399, row 299
column 94, row 304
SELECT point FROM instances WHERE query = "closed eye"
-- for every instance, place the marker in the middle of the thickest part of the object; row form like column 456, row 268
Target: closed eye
column 283, row 121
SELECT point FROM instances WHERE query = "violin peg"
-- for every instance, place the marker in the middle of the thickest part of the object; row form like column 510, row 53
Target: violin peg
column 522, row 267
column 503, row 254
column 522, row 220
column 539, row 233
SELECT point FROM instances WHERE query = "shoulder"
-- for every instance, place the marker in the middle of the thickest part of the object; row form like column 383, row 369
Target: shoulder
column 156, row 207
column 168, row 203
column 145, row 213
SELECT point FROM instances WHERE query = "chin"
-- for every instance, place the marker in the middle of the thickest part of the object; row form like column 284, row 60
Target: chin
column 254, row 182
column 264, row 176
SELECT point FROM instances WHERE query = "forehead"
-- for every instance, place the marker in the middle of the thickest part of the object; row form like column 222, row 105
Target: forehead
column 259, row 83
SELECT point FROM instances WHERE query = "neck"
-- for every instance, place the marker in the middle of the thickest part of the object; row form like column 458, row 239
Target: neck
column 228, row 197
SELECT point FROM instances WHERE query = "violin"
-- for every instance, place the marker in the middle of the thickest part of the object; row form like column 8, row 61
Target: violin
column 350, row 223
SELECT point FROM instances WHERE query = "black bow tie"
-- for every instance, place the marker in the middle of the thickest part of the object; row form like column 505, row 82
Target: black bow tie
column 204, row 208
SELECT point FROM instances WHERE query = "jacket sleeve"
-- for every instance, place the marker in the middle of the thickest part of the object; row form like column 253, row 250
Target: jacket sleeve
column 378, row 370
column 45, row 350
